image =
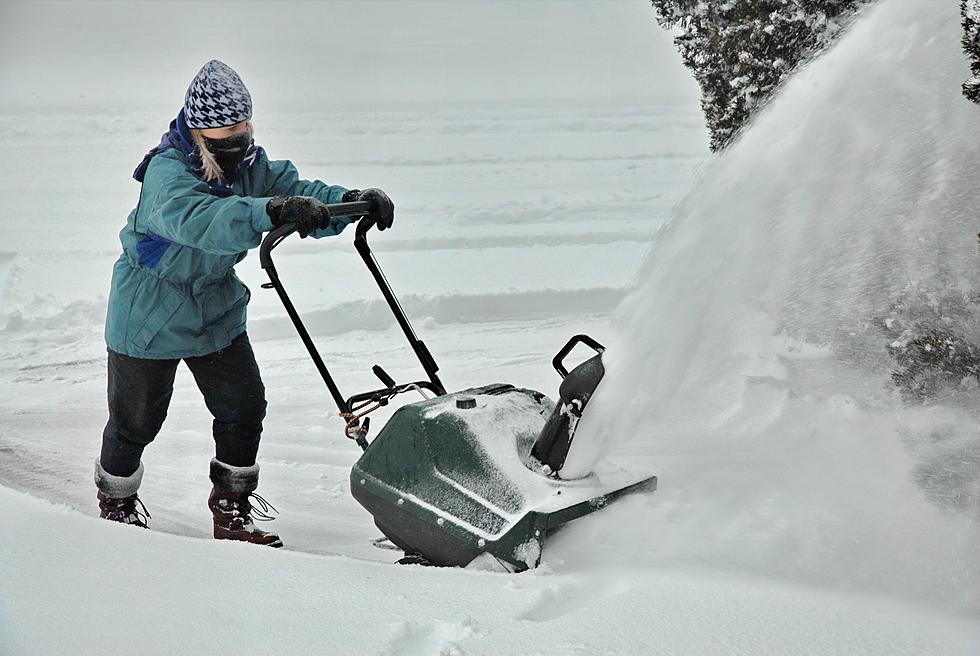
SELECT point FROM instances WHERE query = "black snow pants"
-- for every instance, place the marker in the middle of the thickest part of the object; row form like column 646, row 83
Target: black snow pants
column 139, row 396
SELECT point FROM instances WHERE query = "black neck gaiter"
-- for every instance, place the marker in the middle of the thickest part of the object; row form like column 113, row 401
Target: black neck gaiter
column 229, row 152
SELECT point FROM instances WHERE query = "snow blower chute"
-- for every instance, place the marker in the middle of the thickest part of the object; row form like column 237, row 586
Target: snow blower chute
column 471, row 474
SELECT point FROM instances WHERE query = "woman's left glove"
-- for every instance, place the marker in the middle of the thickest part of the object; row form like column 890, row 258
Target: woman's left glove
column 307, row 213
column 385, row 208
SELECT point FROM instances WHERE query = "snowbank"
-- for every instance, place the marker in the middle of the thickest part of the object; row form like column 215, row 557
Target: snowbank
column 750, row 366
column 76, row 585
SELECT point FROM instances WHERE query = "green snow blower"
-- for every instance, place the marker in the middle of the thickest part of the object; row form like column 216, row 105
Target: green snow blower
column 471, row 475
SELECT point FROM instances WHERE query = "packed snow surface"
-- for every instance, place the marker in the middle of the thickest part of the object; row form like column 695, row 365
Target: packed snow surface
column 802, row 509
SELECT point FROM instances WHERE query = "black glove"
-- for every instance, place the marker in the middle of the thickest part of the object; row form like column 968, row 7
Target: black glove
column 384, row 207
column 308, row 214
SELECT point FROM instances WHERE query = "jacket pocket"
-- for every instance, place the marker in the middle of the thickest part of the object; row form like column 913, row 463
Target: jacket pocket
column 163, row 307
column 235, row 300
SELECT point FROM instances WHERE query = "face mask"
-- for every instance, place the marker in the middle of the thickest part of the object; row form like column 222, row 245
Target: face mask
column 229, row 152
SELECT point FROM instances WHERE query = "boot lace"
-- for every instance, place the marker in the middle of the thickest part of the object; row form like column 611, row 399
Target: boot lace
column 243, row 508
column 261, row 514
column 124, row 510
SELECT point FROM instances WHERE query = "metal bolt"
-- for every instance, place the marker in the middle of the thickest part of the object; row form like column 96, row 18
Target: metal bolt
column 363, row 481
column 546, row 470
column 537, row 534
column 401, row 502
column 465, row 402
column 481, row 543
column 440, row 521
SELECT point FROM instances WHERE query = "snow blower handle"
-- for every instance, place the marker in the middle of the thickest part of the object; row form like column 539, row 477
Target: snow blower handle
column 559, row 360
column 362, row 208
column 273, row 239
column 353, row 409
column 418, row 346
column 366, row 223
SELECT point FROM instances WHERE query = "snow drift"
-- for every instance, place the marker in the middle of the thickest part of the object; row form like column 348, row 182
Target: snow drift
column 750, row 367
column 171, row 594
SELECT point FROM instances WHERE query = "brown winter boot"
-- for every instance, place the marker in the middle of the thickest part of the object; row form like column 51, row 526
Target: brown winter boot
column 118, row 499
column 231, row 504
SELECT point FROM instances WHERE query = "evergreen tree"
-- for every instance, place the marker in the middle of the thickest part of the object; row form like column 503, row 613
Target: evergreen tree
column 739, row 50
column 932, row 330
column 971, row 46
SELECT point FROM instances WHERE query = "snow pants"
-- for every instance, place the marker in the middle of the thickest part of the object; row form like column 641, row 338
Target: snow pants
column 139, row 396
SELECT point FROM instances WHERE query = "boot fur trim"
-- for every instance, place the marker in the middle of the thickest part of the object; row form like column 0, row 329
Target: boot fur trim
column 238, row 480
column 117, row 487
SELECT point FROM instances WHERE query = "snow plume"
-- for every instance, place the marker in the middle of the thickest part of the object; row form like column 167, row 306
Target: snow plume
column 751, row 369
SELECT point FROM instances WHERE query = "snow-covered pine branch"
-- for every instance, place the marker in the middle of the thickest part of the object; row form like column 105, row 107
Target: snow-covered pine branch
column 740, row 50
column 971, row 46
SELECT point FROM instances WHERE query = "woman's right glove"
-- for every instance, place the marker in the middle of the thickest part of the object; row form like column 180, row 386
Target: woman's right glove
column 383, row 205
column 307, row 213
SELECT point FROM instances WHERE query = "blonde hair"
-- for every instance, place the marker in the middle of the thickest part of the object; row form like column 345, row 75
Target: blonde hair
column 211, row 169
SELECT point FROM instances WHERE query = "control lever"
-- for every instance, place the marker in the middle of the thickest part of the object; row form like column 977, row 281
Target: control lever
column 383, row 376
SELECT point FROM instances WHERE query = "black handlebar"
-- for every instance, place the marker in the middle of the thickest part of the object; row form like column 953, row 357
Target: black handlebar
column 366, row 210
column 362, row 208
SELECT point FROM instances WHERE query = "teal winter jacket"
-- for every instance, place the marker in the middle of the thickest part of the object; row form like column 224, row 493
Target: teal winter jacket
column 185, row 300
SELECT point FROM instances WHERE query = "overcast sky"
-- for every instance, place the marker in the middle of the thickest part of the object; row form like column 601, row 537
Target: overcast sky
column 132, row 54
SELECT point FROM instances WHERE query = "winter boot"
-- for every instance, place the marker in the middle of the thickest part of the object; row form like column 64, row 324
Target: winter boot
column 117, row 496
column 231, row 504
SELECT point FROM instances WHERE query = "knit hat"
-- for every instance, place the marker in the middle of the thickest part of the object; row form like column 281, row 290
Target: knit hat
column 216, row 98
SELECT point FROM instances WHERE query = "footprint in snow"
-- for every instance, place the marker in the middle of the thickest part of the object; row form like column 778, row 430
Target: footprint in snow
column 430, row 638
column 559, row 600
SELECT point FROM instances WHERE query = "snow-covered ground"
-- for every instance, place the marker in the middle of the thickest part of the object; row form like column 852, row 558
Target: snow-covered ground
column 73, row 585
column 790, row 518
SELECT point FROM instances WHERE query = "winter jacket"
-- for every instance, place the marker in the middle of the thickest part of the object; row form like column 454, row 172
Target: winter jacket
column 174, row 290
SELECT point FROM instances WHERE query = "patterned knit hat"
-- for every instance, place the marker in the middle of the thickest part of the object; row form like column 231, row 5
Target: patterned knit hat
column 216, row 98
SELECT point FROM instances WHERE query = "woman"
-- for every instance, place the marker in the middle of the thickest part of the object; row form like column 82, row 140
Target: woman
column 208, row 195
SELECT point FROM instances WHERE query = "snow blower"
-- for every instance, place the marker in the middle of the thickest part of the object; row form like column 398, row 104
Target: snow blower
column 469, row 475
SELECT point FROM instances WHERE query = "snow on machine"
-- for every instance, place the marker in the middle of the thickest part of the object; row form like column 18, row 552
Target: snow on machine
column 469, row 475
